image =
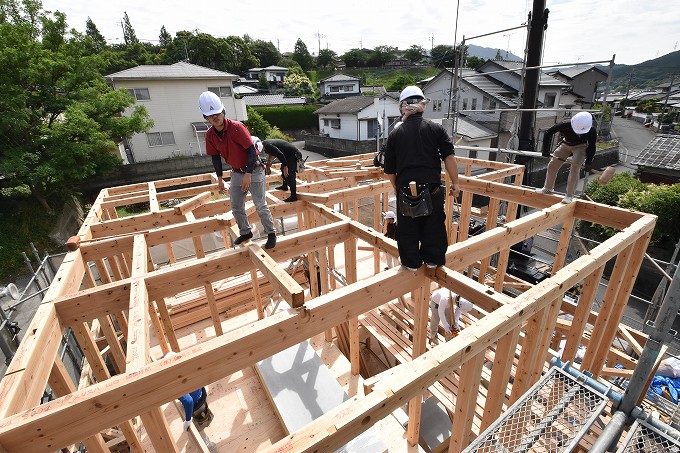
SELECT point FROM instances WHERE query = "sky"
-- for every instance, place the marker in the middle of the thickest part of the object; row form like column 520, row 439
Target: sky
column 579, row 31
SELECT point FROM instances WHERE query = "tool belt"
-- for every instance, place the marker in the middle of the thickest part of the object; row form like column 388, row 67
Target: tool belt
column 420, row 205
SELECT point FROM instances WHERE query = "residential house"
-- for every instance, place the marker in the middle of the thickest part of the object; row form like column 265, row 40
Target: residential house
column 170, row 95
column 583, row 80
column 275, row 75
column 358, row 118
column 271, row 100
column 659, row 161
column 338, row 86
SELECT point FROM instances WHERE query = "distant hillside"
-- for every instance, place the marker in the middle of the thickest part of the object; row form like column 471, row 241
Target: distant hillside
column 646, row 74
column 489, row 53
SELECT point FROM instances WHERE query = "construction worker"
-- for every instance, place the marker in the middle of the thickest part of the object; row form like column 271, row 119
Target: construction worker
column 287, row 154
column 578, row 140
column 196, row 408
column 414, row 153
column 440, row 309
column 231, row 141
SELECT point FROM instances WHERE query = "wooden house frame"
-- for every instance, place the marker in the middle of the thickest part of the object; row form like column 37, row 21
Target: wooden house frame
column 135, row 301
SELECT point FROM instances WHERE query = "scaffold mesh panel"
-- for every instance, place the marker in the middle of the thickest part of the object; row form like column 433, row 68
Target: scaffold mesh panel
column 644, row 438
column 551, row 417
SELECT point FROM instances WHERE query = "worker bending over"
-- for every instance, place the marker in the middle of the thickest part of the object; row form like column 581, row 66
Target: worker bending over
column 440, row 308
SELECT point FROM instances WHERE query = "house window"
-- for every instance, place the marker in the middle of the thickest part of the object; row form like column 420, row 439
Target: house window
column 334, row 123
column 437, row 105
column 349, row 88
column 549, row 101
column 223, row 92
column 465, row 104
column 485, row 103
column 474, row 103
column 492, row 104
column 160, row 138
column 141, row 94
column 373, row 128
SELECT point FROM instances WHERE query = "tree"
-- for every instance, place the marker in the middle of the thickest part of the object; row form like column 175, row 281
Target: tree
column 262, row 82
column 354, row 58
column 256, row 124
column 474, row 62
column 381, row 55
column 415, row 54
column 498, row 56
column 129, row 35
column 164, row 38
column 326, row 58
column 443, row 55
column 297, row 84
column 401, row 82
column 302, row 55
column 59, row 119
column 265, row 52
column 98, row 41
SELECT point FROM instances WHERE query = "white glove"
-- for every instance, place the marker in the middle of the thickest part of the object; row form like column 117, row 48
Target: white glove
column 448, row 332
column 186, row 425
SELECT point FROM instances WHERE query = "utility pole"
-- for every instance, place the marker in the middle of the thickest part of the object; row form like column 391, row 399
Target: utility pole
column 665, row 102
column 431, row 43
column 538, row 22
column 625, row 99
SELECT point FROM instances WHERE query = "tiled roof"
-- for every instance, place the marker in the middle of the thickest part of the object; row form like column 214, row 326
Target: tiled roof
column 339, row 78
column 662, row 152
column 570, row 73
column 245, row 89
column 473, row 130
column 179, row 70
column 545, row 80
column 262, row 100
column 374, row 89
column 352, row 104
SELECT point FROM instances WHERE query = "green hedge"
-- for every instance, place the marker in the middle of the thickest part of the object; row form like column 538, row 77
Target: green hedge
column 290, row 117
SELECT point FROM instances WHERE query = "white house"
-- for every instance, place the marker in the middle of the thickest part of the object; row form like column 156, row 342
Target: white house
column 339, row 86
column 170, row 94
column 358, row 117
column 275, row 75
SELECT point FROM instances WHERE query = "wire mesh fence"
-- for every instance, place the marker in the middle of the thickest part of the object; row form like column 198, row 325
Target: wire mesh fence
column 551, row 417
column 645, row 438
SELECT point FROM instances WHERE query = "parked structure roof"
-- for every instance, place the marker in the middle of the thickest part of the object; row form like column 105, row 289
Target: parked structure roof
column 662, row 152
column 180, row 70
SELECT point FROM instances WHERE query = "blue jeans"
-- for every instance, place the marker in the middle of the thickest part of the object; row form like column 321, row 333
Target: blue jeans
column 258, row 187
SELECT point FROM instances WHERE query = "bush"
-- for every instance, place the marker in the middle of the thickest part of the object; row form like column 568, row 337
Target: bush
column 290, row 117
column 256, row 124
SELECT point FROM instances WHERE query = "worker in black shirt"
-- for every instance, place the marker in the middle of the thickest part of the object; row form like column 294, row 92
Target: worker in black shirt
column 287, row 153
column 578, row 140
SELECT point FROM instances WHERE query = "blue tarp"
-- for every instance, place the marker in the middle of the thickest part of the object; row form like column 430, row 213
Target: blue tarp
column 672, row 384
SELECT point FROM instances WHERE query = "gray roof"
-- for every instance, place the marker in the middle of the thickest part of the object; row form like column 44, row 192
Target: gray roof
column 545, row 80
column 179, row 70
column 570, row 73
column 352, row 104
column 268, row 68
column 491, row 86
column 263, row 100
column 380, row 89
column 339, row 78
column 244, row 89
column 662, row 152
column 473, row 130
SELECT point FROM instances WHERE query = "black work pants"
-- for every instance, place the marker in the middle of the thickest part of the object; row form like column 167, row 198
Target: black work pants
column 290, row 179
column 423, row 239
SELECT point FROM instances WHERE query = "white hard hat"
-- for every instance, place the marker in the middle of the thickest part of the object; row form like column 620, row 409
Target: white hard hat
column 210, row 103
column 390, row 215
column 258, row 143
column 410, row 91
column 582, row 122
column 465, row 305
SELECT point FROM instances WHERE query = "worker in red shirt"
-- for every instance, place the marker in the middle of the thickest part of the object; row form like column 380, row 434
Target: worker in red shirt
column 231, row 141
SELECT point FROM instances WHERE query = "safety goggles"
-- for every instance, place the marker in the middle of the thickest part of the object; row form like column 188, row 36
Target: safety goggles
column 414, row 100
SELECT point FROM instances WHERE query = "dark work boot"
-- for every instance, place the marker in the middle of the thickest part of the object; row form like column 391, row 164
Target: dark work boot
column 291, row 199
column 271, row 241
column 282, row 187
column 243, row 238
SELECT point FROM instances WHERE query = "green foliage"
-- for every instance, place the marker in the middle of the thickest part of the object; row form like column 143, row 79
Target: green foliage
column 627, row 192
column 607, row 114
column 415, row 54
column 22, row 221
column 276, row 133
column 297, row 85
column 474, row 62
column 256, row 123
column 164, row 38
column 262, row 82
column 98, row 42
column 400, row 82
column 128, row 32
column 381, row 55
column 326, row 58
column 290, row 117
column 648, row 106
column 443, row 55
column 355, row 58
column 662, row 201
column 266, row 53
column 58, row 116
column 498, row 56
column 302, row 56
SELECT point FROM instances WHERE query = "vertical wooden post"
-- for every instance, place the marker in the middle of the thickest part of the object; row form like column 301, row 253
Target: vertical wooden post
column 466, row 399
column 351, row 273
column 419, row 347
column 500, row 374
column 578, row 323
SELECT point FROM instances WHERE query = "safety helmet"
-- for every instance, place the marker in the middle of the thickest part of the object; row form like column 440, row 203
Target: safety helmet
column 210, row 103
column 258, row 143
column 582, row 122
column 411, row 91
column 390, row 215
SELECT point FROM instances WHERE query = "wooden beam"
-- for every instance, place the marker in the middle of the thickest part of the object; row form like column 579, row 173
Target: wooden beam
column 192, row 203
column 284, row 283
column 466, row 400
